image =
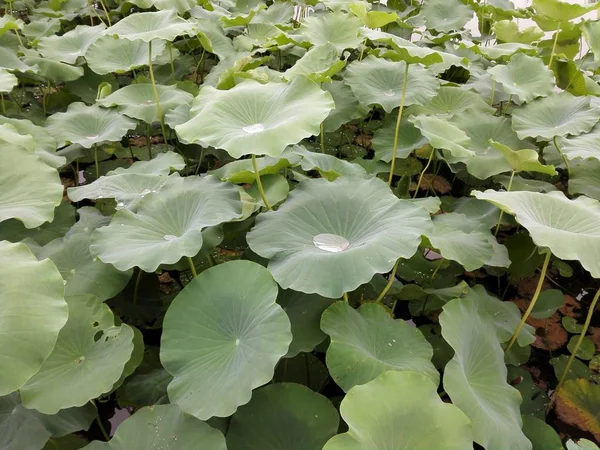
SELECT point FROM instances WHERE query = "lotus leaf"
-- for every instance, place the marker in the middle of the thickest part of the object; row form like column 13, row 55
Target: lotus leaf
column 409, row 139
column 509, row 31
column 108, row 54
column 162, row 425
column 147, row 26
column 71, row 45
column 395, row 411
column 241, row 171
column 444, row 135
column 338, row 28
column 560, row 10
column 286, row 416
column 584, row 178
column 7, row 81
column 376, row 81
column 319, row 64
column 334, row 241
column 254, row 118
column 238, row 335
column 346, row 105
column 579, row 147
column 526, row 160
column 367, row 342
column 450, row 101
column 43, row 145
column 328, row 166
column 445, row 15
column 167, row 224
column 20, row 428
column 578, row 403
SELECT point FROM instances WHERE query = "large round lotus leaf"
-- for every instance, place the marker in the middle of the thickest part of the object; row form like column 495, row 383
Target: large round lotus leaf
column 33, row 290
column 181, row 6
column 82, row 273
column 138, row 101
column 556, row 115
column 283, row 416
column 71, row 45
column 88, row 125
column 29, row 188
column 20, row 428
column 475, row 378
column 450, row 101
column 409, row 139
column 346, row 105
column 254, row 118
column 108, row 54
column 167, row 225
column 376, row 81
column 221, row 339
column 561, row 10
column 7, row 81
column 444, row 135
column 162, row 426
column 338, row 28
column 331, row 237
column 583, row 146
column 467, row 241
column 89, row 357
column 147, row 26
column 569, row 228
column 401, row 411
column 43, row 145
column 445, row 15
column 524, row 77
column 367, row 342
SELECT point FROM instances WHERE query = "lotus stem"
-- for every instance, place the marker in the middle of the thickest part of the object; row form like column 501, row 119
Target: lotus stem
column 512, row 176
column 136, row 287
column 200, row 159
column 345, row 296
column 96, row 161
column 3, row 105
column 322, row 138
column 106, row 12
column 538, row 289
column 437, row 268
column 588, row 320
column 100, row 425
column 171, row 61
column 423, row 172
column 554, row 46
column 259, row 183
column 507, row 104
column 159, row 110
column 397, row 130
column 388, row 286
column 563, row 156
column 493, row 92
column 192, row 266
column 211, row 260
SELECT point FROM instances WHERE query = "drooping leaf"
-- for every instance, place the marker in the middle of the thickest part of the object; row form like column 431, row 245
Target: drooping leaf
column 346, row 105
column 525, row 160
column 328, row 166
column 331, row 237
column 444, row 135
column 395, row 411
column 238, row 333
column 319, row 64
column 367, row 342
column 7, row 81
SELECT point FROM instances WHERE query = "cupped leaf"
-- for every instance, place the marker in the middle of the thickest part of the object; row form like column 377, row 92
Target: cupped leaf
column 108, row 54
column 569, row 228
column 367, row 342
column 524, row 77
column 138, row 101
column 241, row 171
column 147, row 26
column 376, row 81
column 526, row 160
column 71, row 45
column 222, row 339
column 283, row 416
column 555, row 115
column 164, row 425
column 89, row 357
column 33, row 312
column 254, row 118
column 445, row 15
column 167, row 225
column 88, row 125
column 395, row 411
column 475, row 378
column 338, row 28
column 331, row 237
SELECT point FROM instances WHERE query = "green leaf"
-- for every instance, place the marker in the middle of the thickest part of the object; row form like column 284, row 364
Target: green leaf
column 580, row 147
column 376, row 81
column 526, row 160
column 56, row 71
column 367, row 342
column 560, row 10
column 7, row 81
column 591, row 33
column 254, row 118
column 167, row 225
column 475, row 378
column 582, row 444
column 20, row 428
column 556, row 115
column 577, row 370
column 108, row 54
column 578, row 403
column 285, row 416
column 409, row 139
column 242, row 171
column 547, row 303
column 337, row 28
column 319, row 64
column 71, row 45
column 567, row 227
column 587, row 349
column 33, row 312
column 337, row 235
column 396, row 411
column 585, row 178
column 445, row 15
column 442, row 134
column 541, row 435
column 346, row 108
column 221, row 339
column 147, row 26
column 524, row 77
column 450, row 101
column 165, row 425
column 372, row 19
column 328, row 166
column 508, row 31
column 90, row 355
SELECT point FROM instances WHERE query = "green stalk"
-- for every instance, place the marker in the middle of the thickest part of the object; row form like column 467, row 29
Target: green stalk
column 538, row 289
column 437, row 268
column 554, row 47
column 512, row 176
column 388, row 286
column 345, row 296
column 159, row 110
column 259, row 183
column 171, row 61
column 136, row 287
column 100, row 424
column 192, row 267
column 563, row 156
column 397, row 130
column 588, row 320
column 322, row 137
column 493, row 92
column 106, row 12
column 96, row 161
column 3, row 105
column 423, row 172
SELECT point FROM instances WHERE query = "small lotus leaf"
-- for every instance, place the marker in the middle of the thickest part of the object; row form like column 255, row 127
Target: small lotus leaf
column 222, row 339
column 254, row 118
column 331, row 237
column 509, row 31
column 167, row 225
column 328, row 166
column 147, row 26
column 367, row 342
column 395, row 411
column 445, row 15
column 286, row 416
column 241, row 171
